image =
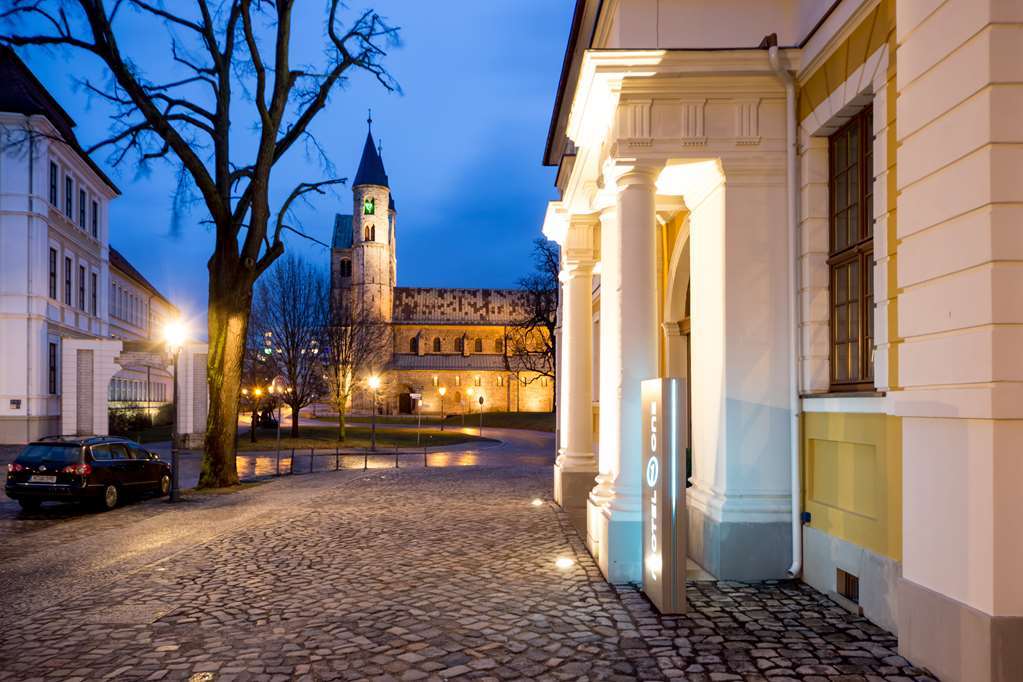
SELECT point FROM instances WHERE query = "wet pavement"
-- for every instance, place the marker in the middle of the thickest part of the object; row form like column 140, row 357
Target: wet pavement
column 408, row 574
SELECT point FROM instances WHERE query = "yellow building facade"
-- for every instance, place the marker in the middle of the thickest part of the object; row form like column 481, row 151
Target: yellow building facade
column 808, row 212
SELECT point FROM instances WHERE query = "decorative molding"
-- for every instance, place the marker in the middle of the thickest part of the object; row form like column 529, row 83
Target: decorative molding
column 634, row 122
column 693, row 129
column 747, row 121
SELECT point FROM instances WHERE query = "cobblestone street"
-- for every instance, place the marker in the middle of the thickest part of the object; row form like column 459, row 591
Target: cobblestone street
column 403, row 575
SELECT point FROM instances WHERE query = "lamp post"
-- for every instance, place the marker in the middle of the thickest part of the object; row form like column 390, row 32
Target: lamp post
column 276, row 388
column 174, row 335
column 481, row 414
column 374, row 383
column 442, row 390
column 469, row 393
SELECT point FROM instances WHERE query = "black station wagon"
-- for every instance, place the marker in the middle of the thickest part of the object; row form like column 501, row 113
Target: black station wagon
column 102, row 470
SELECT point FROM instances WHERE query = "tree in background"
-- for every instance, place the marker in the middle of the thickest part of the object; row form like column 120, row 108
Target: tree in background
column 532, row 344
column 352, row 345
column 232, row 64
column 288, row 316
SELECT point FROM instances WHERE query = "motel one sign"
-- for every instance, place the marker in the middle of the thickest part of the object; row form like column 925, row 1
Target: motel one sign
column 665, row 417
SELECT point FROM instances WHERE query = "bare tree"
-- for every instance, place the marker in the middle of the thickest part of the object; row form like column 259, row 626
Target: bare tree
column 353, row 343
column 532, row 343
column 288, row 314
column 217, row 48
column 257, row 374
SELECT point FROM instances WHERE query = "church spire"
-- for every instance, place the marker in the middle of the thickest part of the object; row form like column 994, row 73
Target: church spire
column 371, row 167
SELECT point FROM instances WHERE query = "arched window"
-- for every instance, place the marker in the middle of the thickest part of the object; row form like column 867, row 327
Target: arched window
column 372, row 233
column 458, row 397
column 413, row 345
column 436, row 345
column 345, row 268
column 499, row 346
column 478, row 347
column 460, row 344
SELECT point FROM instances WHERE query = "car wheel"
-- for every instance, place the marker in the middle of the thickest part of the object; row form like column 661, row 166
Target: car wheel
column 30, row 504
column 164, row 485
column 111, row 496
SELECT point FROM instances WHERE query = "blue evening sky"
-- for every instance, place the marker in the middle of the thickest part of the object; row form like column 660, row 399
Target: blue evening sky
column 462, row 145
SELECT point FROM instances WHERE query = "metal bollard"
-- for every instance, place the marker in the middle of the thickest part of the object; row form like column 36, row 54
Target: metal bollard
column 312, row 460
column 278, row 463
column 395, row 456
column 175, row 461
column 337, row 459
column 425, row 462
column 365, row 460
column 291, row 466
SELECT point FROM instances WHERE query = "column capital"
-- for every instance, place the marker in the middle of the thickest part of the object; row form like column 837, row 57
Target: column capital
column 637, row 174
column 579, row 247
column 672, row 328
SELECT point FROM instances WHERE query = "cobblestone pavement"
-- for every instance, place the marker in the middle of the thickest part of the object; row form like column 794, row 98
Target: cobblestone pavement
column 416, row 574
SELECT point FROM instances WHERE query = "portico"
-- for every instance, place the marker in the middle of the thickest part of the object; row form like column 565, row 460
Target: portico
column 679, row 167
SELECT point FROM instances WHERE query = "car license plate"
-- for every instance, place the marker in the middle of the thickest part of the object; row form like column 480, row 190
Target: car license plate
column 42, row 479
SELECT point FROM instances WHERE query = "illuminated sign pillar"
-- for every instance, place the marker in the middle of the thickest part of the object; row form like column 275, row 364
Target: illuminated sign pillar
column 665, row 417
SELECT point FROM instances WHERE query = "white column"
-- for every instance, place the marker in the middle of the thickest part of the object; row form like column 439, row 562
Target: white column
column 576, row 465
column 628, row 340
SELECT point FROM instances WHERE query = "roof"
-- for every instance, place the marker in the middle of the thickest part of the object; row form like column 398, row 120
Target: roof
column 459, row 306
column 480, row 362
column 342, row 232
column 22, row 93
column 118, row 261
column 554, row 140
column 371, row 166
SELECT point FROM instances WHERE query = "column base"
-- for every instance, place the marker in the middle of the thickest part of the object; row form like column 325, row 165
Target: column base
column 615, row 539
column 746, row 551
column 571, row 492
column 955, row 641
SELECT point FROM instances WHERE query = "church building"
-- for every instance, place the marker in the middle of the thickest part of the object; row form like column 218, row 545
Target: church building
column 449, row 346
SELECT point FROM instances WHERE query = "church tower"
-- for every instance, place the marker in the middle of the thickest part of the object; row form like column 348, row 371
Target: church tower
column 373, row 232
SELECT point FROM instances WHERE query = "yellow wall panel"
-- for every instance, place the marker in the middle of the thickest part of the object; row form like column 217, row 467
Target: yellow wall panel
column 853, row 478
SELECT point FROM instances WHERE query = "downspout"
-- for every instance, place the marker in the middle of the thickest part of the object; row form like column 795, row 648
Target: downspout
column 792, row 187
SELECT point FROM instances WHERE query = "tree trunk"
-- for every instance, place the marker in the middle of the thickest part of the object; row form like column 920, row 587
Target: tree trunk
column 255, row 421
column 341, row 426
column 294, row 421
column 229, row 306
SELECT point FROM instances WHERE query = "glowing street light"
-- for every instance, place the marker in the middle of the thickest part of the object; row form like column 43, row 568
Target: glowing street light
column 442, row 390
column 175, row 334
column 537, row 502
column 564, row 563
column 374, row 383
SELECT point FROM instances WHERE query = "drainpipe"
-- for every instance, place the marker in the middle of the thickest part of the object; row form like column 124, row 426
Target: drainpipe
column 792, row 186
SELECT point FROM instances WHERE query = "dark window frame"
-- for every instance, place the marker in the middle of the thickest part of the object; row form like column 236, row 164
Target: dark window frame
column 95, row 219
column 851, row 255
column 68, row 270
column 54, row 181
column 81, row 287
column 83, row 201
column 52, row 368
column 53, row 273
column 69, row 196
column 94, row 281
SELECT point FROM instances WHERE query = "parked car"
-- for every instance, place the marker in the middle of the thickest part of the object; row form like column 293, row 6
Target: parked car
column 101, row 470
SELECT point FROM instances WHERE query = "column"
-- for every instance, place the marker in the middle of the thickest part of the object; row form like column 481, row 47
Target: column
column 676, row 350
column 576, row 466
column 628, row 352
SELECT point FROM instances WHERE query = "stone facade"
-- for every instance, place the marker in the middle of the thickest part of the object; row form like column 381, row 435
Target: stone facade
column 455, row 339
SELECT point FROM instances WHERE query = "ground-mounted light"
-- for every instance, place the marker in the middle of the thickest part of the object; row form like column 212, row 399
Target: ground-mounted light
column 564, row 563
column 537, row 502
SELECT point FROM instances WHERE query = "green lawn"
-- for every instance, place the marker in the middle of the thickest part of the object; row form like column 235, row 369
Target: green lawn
column 534, row 421
column 357, row 437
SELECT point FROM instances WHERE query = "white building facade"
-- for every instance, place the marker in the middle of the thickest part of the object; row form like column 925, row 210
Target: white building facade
column 67, row 317
column 806, row 210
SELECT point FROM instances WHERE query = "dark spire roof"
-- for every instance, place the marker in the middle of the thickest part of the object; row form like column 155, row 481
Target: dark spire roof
column 371, row 167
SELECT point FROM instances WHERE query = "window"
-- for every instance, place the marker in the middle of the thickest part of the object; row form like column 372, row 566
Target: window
column 67, row 280
column 95, row 219
column 369, row 206
column 53, row 184
column 436, row 345
column 92, row 292
column 499, row 346
column 458, row 380
column 81, row 208
column 345, row 268
column 53, row 273
column 436, row 380
column 68, row 196
column 52, row 368
column 460, row 344
column 500, row 380
column 543, row 382
column 413, row 345
column 851, row 253
column 479, row 381
column 478, row 346
column 81, row 287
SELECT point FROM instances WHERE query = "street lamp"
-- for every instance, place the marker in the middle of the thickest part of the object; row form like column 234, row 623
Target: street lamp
column 442, row 390
column 469, row 393
column 276, row 388
column 481, row 413
column 175, row 333
column 374, row 383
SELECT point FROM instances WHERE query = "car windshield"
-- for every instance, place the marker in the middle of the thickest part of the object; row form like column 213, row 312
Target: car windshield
column 56, row 452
